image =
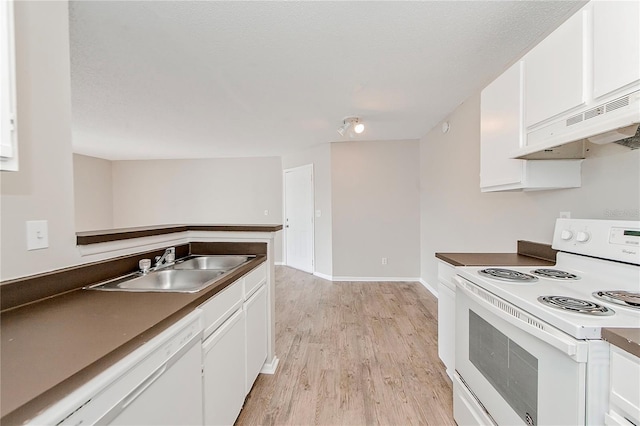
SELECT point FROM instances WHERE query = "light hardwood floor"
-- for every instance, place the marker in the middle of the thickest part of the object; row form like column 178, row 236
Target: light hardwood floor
column 352, row 353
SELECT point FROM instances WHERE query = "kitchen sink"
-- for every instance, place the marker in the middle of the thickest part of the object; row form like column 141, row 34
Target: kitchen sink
column 225, row 262
column 164, row 280
column 188, row 275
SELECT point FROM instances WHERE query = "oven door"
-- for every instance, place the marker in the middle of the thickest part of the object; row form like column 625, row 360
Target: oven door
column 521, row 370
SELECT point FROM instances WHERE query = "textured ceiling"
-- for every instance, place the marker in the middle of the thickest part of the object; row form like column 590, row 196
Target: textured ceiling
column 181, row 79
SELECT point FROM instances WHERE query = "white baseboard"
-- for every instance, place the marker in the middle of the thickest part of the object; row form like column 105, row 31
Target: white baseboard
column 270, row 368
column 360, row 279
column 323, row 276
column 278, row 263
column 376, row 279
column 428, row 286
column 373, row 279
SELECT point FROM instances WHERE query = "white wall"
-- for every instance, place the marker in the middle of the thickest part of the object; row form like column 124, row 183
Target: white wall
column 43, row 188
column 93, row 193
column 456, row 217
column 207, row 191
column 376, row 208
column 320, row 157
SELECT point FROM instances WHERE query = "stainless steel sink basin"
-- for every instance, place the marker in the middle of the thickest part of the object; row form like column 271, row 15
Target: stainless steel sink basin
column 164, row 280
column 189, row 275
column 225, row 262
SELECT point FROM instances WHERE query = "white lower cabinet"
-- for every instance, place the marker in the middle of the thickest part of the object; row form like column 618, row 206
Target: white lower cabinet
column 446, row 316
column 224, row 372
column 255, row 309
column 234, row 349
column 624, row 389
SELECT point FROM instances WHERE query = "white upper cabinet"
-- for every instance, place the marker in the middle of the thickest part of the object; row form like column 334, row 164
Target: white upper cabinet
column 582, row 81
column 501, row 129
column 616, row 46
column 502, row 132
column 554, row 72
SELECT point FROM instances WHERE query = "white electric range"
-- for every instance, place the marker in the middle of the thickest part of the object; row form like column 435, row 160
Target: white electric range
column 528, row 348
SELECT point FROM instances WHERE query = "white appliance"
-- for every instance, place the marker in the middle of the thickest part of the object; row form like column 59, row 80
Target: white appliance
column 159, row 383
column 600, row 123
column 528, row 340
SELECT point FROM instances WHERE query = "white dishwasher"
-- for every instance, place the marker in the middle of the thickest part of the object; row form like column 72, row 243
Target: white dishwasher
column 158, row 384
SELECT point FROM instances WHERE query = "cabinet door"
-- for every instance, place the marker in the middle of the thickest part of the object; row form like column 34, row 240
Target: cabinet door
column 446, row 316
column 175, row 398
column 553, row 73
column 616, row 45
column 256, row 334
column 624, row 394
column 501, row 129
column 224, row 372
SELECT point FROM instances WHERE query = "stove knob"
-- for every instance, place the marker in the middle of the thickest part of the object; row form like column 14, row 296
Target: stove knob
column 566, row 235
column 582, row 237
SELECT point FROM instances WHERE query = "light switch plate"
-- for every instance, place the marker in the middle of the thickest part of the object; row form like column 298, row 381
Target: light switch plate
column 37, row 234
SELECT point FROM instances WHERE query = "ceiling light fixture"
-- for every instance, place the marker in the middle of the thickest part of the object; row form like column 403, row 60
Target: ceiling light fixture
column 350, row 122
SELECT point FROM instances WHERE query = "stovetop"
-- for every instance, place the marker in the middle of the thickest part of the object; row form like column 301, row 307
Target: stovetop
column 586, row 276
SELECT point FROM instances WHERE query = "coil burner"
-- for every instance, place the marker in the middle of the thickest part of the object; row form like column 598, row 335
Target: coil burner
column 575, row 305
column 555, row 274
column 627, row 299
column 508, row 275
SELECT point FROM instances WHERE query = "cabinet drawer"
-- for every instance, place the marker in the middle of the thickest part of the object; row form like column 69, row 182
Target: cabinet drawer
column 221, row 306
column 254, row 279
column 446, row 271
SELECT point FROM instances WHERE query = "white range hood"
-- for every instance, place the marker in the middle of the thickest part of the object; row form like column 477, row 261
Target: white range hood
column 564, row 139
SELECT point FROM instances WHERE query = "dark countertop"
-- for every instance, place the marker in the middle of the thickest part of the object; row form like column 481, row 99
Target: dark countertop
column 492, row 259
column 51, row 347
column 103, row 236
column 627, row 339
column 529, row 254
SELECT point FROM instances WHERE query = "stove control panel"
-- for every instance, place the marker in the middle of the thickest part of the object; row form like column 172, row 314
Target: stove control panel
column 626, row 237
column 607, row 239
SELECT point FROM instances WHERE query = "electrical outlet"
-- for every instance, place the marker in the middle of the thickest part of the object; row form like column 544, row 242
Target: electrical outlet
column 384, row 260
column 37, row 234
column 565, row 215
column 266, row 212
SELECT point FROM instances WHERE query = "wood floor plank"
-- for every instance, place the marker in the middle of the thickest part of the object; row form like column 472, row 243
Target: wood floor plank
column 352, row 353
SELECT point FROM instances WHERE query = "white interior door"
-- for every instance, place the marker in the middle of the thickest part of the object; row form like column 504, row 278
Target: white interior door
column 298, row 221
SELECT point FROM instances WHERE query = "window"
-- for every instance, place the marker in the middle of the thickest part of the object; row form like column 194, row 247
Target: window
column 8, row 129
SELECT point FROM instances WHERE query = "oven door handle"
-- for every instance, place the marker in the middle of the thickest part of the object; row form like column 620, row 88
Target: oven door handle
column 517, row 317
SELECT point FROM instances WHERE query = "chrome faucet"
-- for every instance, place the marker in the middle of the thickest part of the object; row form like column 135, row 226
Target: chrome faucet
column 167, row 258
